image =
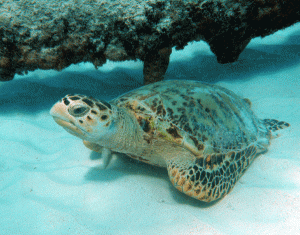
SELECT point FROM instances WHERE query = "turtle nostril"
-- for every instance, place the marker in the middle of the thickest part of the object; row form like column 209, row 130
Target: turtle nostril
column 79, row 111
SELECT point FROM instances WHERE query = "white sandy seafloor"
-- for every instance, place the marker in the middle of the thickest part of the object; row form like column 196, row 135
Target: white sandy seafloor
column 51, row 184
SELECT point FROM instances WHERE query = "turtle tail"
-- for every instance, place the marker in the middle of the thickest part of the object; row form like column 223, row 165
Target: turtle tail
column 274, row 125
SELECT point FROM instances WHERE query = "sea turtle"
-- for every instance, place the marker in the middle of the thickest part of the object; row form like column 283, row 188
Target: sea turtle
column 205, row 135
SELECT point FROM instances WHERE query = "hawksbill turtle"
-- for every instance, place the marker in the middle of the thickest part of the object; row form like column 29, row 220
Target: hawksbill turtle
column 205, row 135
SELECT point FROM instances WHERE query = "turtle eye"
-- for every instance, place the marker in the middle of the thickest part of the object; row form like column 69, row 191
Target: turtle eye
column 79, row 110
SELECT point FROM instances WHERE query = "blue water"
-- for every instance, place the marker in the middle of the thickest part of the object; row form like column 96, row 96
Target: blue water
column 51, row 184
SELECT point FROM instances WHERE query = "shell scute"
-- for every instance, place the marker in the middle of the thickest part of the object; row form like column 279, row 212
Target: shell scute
column 201, row 117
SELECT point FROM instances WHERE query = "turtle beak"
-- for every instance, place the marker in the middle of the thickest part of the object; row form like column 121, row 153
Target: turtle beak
column 69, row 127
column 58, row 110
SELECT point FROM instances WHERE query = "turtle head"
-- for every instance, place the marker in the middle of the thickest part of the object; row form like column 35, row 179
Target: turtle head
column 85, row 117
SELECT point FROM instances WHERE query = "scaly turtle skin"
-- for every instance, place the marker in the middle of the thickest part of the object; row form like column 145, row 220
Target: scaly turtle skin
column 205, row 135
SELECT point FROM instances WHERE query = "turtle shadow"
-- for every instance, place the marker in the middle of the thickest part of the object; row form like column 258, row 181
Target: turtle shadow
column 122, row 165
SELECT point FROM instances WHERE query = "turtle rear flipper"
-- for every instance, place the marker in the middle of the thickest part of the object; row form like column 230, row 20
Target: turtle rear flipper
column 274, row 125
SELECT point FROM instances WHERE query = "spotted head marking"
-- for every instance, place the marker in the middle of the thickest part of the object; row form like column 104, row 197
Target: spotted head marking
column 85, row 117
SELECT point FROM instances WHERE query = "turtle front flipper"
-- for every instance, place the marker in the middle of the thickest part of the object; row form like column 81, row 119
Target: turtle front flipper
column 105, row 152
column 210, row 177
column 92, row 146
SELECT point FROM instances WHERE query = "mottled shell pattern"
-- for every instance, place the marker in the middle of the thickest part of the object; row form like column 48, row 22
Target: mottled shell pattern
column 205, row 135
column 203, row 118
